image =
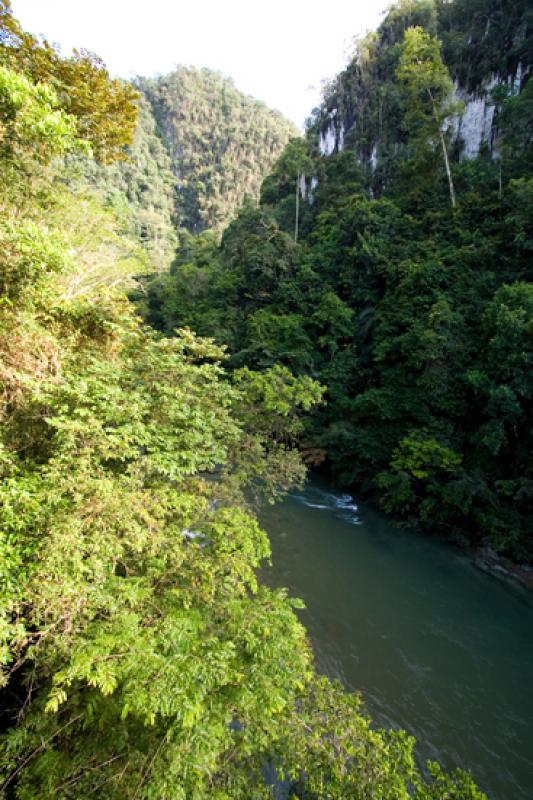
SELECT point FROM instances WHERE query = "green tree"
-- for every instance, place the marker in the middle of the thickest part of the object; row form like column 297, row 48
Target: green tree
column 104, row 108
column 429, row 91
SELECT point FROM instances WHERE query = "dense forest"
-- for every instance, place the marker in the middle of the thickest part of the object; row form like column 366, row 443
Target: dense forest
column 200, row 149
column 140, row 190
column 390, row 259
column 221, row 142
column 141, row 658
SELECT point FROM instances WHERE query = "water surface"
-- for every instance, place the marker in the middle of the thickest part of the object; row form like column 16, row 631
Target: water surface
column 434, row 645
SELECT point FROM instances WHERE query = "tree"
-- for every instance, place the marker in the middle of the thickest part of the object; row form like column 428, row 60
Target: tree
column 105, row 108
column 289, row 175
column 429, row 91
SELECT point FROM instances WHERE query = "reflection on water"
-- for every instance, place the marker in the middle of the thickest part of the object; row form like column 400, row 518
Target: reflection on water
column 434, row 645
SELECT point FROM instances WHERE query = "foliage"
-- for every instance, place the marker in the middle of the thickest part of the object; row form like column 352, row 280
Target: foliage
column 29, row 114
column 159, row 178
column 413, row 314
column 200, row 147
column 427, row 79
column 140, row 190
column 486, row 45
column 103, row 107
column 33, row 130
column 141, row 658
column 429, row 89
column 221, row 142
column 485, row 37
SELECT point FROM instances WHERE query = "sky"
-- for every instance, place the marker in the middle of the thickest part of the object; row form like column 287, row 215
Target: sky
column 279, row 51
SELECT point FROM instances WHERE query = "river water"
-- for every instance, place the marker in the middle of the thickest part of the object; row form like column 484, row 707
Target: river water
column 434, row 645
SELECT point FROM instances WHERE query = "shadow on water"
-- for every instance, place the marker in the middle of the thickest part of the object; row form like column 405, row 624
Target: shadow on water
column 434, row 645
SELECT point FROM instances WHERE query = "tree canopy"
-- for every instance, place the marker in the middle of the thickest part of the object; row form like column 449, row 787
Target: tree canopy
column 394, row 298
column 141, row 657
column 221, row 142
column 103, row 107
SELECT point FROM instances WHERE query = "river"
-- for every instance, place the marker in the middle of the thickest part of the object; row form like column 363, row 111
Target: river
column 434, row 645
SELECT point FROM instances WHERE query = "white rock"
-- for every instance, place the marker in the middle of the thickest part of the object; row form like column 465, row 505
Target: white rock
column 518, row 78
column 192, row 535
column 474, row 127
column 340, row 140
column 374, row 158
column 327, row 140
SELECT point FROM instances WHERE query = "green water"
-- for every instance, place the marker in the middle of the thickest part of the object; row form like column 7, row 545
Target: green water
column 434, row 645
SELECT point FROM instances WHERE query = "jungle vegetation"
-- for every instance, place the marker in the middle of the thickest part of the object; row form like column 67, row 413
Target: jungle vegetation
column 405, row 285
column 221, row 142
column 199, row 149
column 141, row 658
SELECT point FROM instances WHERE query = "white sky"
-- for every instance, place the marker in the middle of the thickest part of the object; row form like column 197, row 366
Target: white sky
column 279, row 51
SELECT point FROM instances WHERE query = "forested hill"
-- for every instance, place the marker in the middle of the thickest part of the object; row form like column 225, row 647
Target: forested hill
column 221, row 142
column 390, row 257
column 200, row 148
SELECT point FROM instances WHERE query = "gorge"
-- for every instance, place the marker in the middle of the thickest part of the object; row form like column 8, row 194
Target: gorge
column 198, row 308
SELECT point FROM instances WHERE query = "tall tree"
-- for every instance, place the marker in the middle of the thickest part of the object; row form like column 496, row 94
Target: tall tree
column 429, row 88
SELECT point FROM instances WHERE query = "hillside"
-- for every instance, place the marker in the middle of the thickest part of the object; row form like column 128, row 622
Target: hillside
column 485, row 44
column 200, row 148
column 221, row 142
column 140, row 189
column 390, row 258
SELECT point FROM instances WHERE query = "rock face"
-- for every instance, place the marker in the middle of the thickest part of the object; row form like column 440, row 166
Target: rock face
column 474, row 128
column 332, row 132
column 329, row 141
column 477, row 126
column 486, row 44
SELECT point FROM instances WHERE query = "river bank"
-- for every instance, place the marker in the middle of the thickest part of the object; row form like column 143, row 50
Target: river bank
column 483, row 556
column 487, row 560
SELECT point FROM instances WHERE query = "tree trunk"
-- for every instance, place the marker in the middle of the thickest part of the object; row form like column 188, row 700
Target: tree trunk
column 448, row 170
column 444, row 150
column 297, row 207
